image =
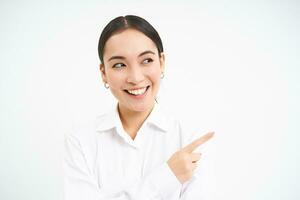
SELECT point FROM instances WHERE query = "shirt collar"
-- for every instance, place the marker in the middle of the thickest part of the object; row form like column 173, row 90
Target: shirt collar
column 112, row 119
column 158, row 118
column 108, row 120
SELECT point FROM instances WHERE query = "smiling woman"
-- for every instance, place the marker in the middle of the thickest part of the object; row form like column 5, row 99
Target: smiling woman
column 137, row 151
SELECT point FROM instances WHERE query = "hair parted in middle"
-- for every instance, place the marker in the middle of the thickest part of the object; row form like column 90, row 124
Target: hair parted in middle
column 125, row 22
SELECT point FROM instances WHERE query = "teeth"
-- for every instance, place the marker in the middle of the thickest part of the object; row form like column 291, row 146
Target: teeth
column 137, row 92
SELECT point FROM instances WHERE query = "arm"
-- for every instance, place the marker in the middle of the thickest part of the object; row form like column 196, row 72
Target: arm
column 80, row 184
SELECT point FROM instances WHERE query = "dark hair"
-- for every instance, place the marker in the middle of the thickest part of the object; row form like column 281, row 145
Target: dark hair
column 123, row 23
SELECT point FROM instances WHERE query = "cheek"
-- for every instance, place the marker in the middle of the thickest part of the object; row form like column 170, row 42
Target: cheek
column 115, row 80
column 154, row 75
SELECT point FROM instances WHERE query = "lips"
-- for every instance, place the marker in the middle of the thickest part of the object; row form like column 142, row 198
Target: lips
column 137, row 91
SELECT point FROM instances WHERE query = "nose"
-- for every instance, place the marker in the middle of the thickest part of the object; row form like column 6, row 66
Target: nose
column 135, row 75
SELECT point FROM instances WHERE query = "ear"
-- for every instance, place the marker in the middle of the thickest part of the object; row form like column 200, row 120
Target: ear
column 162, row 62
column 103, row 74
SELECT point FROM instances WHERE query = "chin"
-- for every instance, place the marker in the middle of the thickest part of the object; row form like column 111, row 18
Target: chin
column 141, row 107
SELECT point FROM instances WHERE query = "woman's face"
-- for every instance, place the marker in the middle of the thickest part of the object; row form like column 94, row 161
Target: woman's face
column 132, row 68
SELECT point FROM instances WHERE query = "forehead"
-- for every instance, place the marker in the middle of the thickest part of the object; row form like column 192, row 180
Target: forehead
column 129, row 42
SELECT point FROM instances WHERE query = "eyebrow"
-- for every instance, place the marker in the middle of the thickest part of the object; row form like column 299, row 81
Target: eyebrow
column 122, row 57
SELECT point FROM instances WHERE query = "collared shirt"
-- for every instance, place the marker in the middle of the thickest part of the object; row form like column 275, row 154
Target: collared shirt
column 101, row 161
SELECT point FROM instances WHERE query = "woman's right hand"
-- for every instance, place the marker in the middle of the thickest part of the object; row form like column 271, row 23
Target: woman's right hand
column 184, row 162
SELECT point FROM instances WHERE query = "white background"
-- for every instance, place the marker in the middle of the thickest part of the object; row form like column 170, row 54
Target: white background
column 231, row 67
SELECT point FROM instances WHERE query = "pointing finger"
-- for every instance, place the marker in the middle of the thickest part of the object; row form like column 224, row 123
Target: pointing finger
column 196, row 143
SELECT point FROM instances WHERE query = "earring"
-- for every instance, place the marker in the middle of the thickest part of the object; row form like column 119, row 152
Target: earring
column 106, row 85
column 162, row 75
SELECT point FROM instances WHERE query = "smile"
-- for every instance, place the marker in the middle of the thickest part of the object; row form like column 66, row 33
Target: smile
column 138, row 92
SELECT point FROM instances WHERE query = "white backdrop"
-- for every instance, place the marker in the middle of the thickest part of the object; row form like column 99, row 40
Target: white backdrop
column 231, row 67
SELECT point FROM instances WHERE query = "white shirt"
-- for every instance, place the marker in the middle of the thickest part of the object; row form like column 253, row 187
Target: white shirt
column 101, row 161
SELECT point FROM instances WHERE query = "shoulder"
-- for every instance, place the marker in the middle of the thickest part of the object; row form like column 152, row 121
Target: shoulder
column 82, row 140
column 85, row 128
column 83, row 132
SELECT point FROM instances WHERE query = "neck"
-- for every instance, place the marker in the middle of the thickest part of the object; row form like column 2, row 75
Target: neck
column 132, row 120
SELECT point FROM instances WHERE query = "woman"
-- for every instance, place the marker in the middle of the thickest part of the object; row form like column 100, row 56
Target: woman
column 136, row 151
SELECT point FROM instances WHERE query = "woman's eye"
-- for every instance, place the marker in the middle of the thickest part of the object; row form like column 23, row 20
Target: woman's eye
column 148, row 60
column 118, row 65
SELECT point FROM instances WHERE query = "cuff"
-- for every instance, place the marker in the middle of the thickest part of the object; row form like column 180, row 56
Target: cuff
column 164, row 180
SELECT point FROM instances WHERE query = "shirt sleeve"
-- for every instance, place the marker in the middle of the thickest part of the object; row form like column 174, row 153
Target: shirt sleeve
column 80, row 183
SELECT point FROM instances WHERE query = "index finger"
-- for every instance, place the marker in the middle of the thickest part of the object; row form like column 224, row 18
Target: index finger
column 196, row 143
